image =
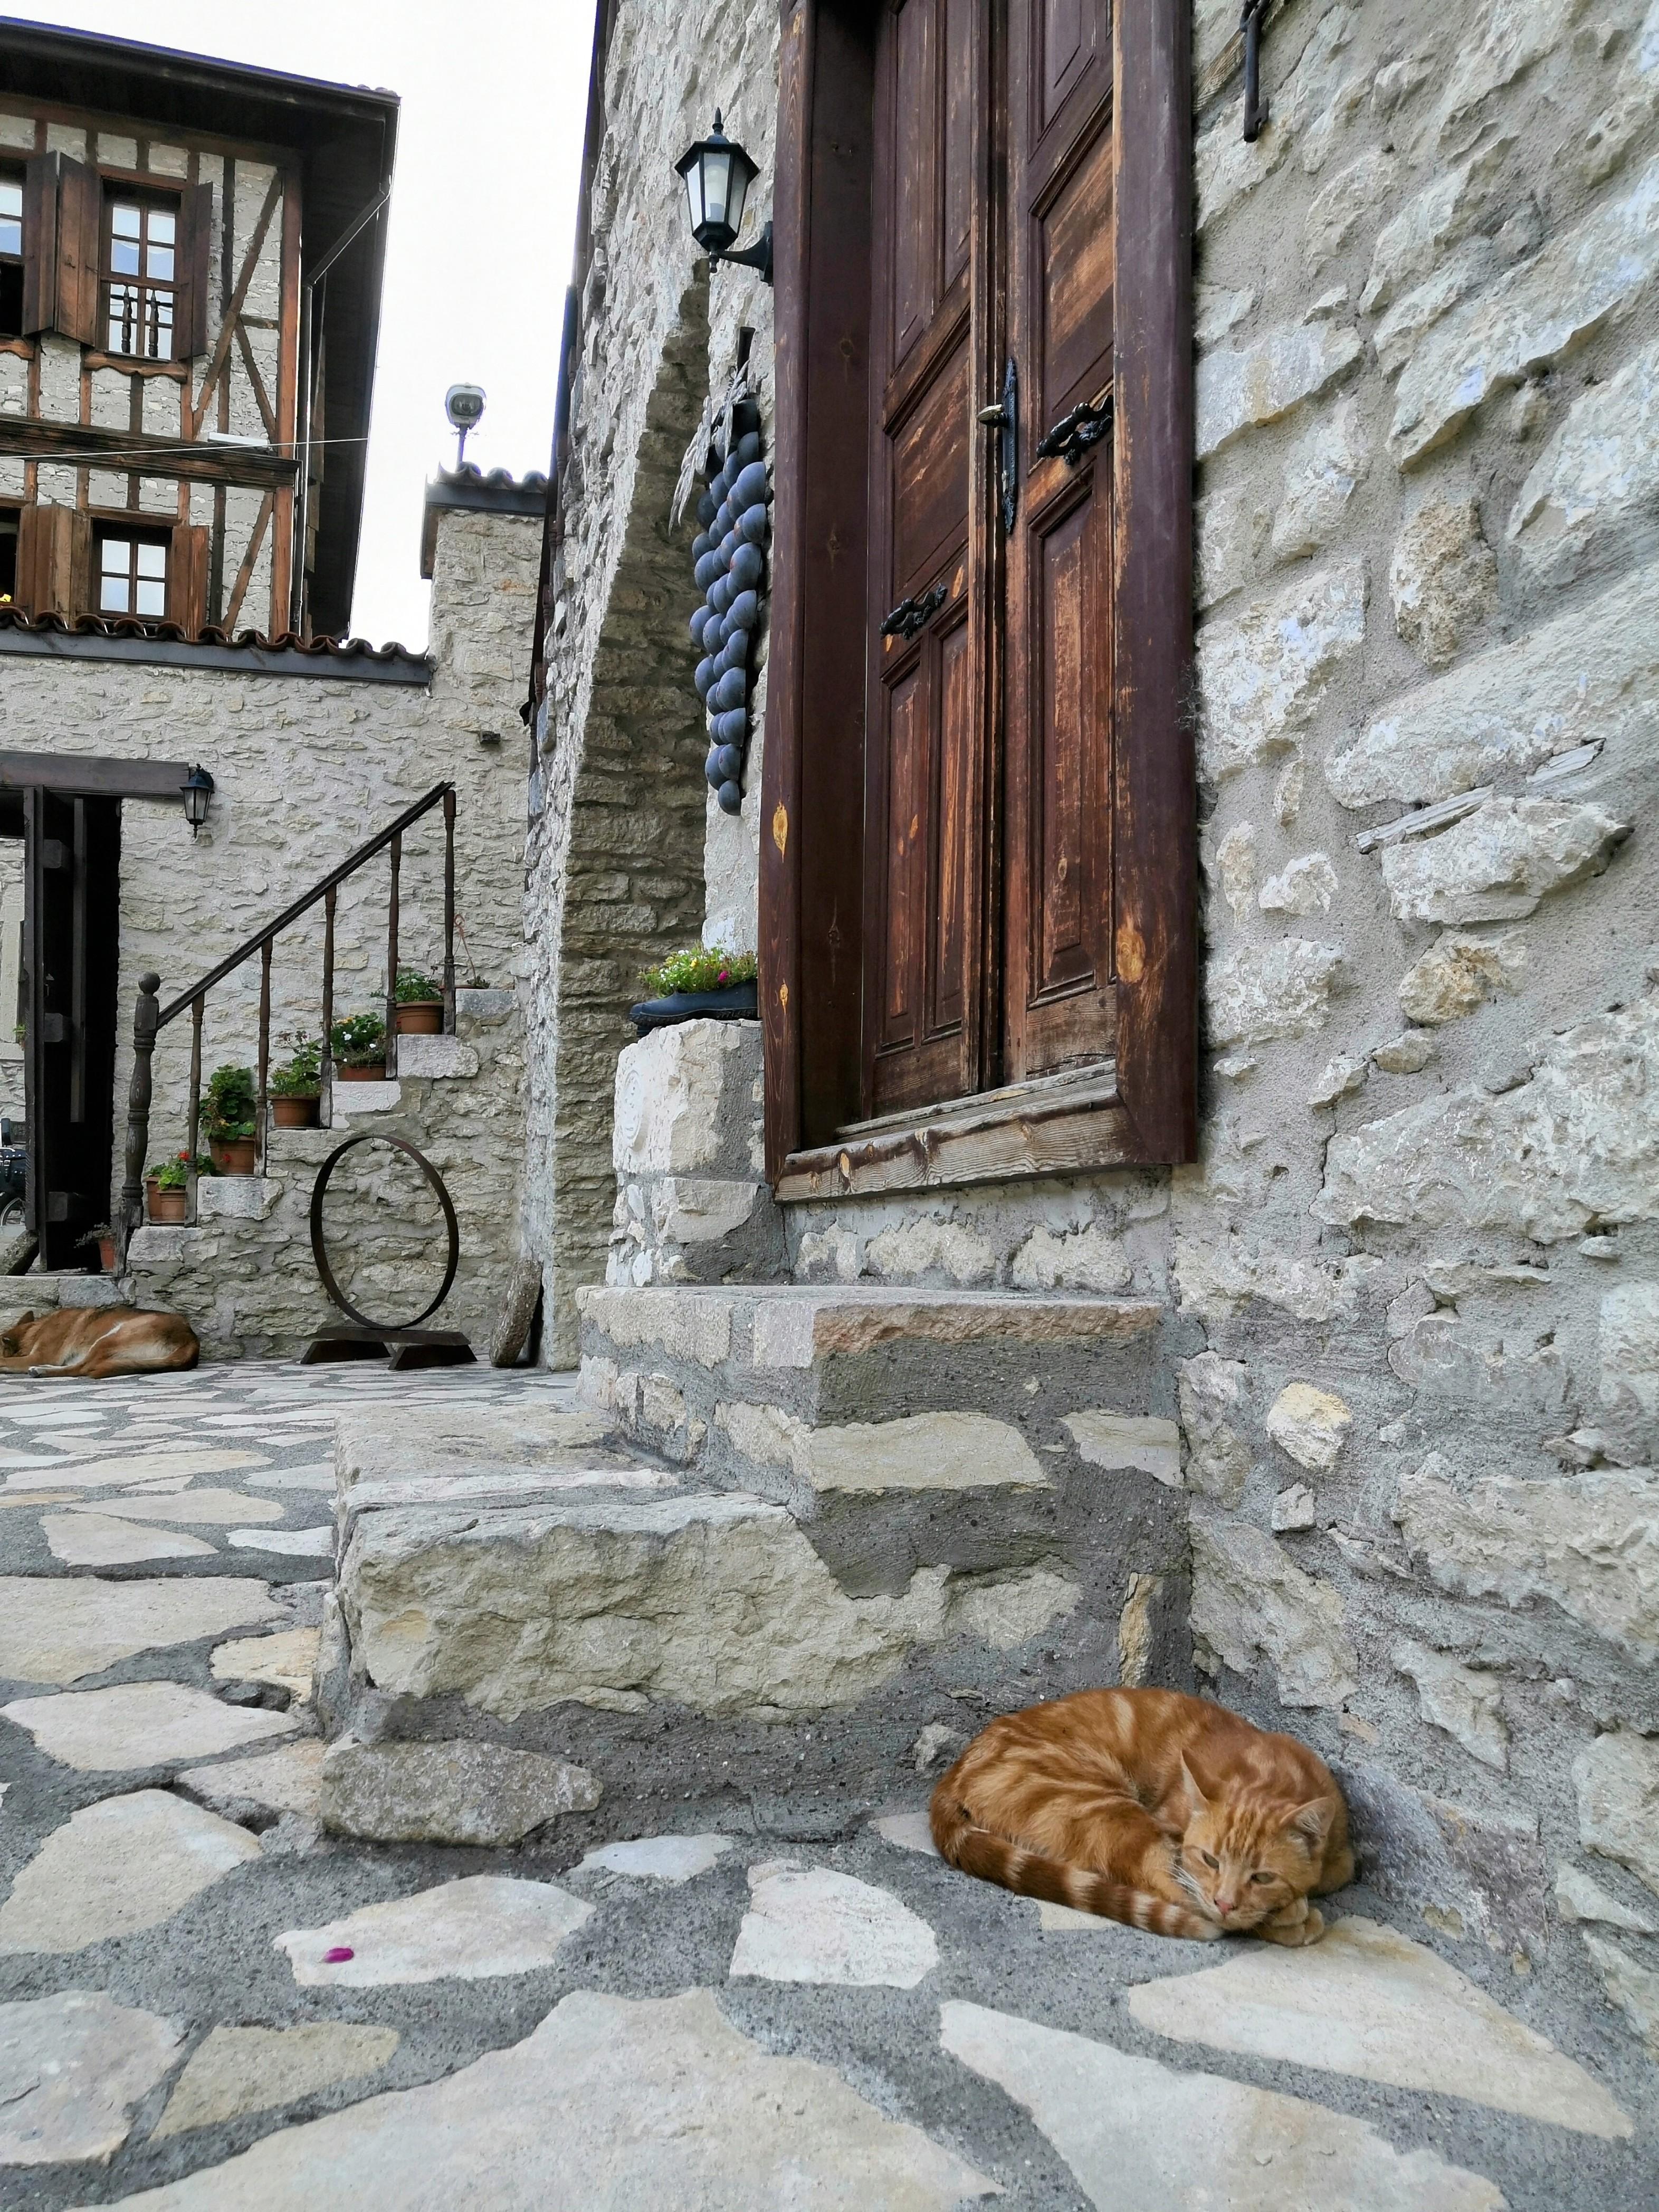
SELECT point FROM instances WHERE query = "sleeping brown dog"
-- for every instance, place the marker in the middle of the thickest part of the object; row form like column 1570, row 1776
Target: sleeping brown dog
column 89, row 1343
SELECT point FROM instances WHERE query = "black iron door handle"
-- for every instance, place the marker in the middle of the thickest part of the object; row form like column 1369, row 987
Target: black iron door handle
column 1003, row 419
column 911, row 617
column 1074, row 434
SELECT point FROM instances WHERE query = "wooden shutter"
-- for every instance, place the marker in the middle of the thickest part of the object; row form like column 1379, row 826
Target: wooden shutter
column 62, row 218
column 925, row 824
column 190, row 318
column 187, row 578
column 1059, row 1000
column 46, row 545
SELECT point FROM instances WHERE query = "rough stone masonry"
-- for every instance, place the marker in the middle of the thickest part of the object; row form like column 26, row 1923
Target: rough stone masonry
column 1416, row 1273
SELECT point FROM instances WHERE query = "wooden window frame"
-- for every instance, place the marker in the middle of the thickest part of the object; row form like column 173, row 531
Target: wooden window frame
column 1141, row 1106
column 12, row 265
column 135, row 531
column 148, row 201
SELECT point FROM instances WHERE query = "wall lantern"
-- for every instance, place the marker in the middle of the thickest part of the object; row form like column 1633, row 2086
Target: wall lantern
column 196, row 790
column 718, row 174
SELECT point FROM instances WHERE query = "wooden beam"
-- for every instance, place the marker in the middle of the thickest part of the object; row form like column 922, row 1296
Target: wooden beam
column 233, row 313
column 37, row 440
column 90, row 776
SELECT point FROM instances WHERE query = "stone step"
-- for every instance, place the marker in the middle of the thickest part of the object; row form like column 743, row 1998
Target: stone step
column 804, row 1394
column 526, row 1578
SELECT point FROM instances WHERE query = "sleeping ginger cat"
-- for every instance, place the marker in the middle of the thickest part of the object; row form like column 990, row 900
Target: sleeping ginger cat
column 1148, row 1807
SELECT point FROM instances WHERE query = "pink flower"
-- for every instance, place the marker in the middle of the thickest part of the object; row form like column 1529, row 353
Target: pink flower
column 338, row 1955
column 725, row 977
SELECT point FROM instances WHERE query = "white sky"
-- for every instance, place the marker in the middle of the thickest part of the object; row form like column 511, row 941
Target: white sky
column 483, row 221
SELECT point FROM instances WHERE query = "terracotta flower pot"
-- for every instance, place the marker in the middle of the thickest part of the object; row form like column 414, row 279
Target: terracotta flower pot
column 296, row 1111
column 107, row 1254
column 164, row 1204
column 234, row 1156
column 421, row 1017
column 373, row 1073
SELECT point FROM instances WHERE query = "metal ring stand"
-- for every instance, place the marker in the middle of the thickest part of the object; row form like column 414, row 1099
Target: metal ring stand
column 362, row 1337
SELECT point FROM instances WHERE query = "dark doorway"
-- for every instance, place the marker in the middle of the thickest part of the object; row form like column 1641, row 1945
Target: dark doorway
column 72, row 858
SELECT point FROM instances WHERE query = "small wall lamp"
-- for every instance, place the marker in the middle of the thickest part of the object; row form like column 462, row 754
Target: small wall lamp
column 718, row 173
column 196, row 790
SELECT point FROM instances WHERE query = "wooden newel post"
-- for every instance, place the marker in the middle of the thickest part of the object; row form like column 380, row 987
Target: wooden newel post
column 145, row 1020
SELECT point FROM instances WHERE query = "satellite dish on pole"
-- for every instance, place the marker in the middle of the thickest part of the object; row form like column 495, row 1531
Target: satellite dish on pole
column 464, row 403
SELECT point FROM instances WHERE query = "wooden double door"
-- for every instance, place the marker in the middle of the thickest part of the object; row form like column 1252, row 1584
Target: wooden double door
column 989, row 724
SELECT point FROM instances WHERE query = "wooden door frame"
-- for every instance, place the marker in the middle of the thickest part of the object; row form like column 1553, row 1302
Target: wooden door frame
column 1144, row 1107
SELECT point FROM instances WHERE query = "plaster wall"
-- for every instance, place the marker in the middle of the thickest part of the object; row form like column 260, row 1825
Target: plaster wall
column 306, row 768
column 1419, row 1256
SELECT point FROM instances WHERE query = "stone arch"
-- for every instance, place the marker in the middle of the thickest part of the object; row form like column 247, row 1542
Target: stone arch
column 632, row 873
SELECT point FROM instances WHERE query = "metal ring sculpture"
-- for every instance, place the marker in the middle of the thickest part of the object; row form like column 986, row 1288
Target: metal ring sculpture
column 319, row 1249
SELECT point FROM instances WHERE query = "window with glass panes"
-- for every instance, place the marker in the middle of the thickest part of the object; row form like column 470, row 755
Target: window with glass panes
column 11, row 254
column 132, row 575
column 142, row 248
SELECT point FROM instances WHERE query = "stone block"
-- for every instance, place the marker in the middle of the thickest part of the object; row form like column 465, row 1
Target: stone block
column 483, row 1794
column 526, row 1433
column 910, row 1251
column 1591, row 675
column 1312, row 1425
column 1213, row 1396
column 1304, row 886
column 1616, row 1780
column 682, row 1101
column 1465, row 1701
column 1340, row 1078
column 1322, row 471
column 1259, row 992
column 703, row 1210
column 1506, row 38
column 921, row 1451
column 686, row 1324
column 73, row 2070
column 1577, row 1144
column 484, row 1009
column 1250, row 1602
column 238, row 1198
column 1089, row 1258
column 353, row 1102
column 1473, row 1875
column 1592, row 496
column 1498, row 863
column 1631, row 1986
column 1415, row 243
column 1627, row 1358
column 440, row 1058
column 1115, row 1441
column 1262, row 674
column 1453, row 1358
column 1443, row 578
column 1585, row 277
column 1588, row 1544
column 1241, row 390
column 1457, row 975
column 716, row 1603
column 1338, row 208
column 1579, row 1896
column 91, row 1290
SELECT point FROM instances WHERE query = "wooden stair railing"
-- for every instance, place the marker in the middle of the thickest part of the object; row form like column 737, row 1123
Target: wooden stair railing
column 150, row 1017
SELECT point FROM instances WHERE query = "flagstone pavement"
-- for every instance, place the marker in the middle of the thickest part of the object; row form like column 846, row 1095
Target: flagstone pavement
column 206, row 2001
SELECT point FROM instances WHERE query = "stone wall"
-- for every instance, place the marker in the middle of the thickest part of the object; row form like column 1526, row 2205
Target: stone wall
column 628, row 833
column 1419, row 1257
column 304, row 768
column 244, row 1274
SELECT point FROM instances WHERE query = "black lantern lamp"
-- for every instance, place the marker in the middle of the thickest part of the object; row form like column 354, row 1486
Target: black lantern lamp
column 718, row 173
column 196, row 790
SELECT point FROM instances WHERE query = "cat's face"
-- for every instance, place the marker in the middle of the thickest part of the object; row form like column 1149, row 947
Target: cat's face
column 1248, row 1862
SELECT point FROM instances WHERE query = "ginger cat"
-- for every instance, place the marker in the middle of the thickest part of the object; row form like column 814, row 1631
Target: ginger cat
column 1150, row 1807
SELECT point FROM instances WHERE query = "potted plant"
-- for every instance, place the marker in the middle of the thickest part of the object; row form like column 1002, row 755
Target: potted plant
column 230, row 1115
column 420, row 1004
column 101, row 1236
column 357, row 1046
column 701, row 983
column 295, row 1084
column 166, row 1193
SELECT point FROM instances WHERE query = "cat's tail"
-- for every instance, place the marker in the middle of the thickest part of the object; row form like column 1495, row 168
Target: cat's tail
column 1028, row 1873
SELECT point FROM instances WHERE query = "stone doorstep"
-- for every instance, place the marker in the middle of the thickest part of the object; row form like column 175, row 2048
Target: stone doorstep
column 476, row 1486
column 784, row 1327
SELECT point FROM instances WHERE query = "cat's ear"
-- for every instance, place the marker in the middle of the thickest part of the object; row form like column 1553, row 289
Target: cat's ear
column 1200, row 1802
column 1312, row 1822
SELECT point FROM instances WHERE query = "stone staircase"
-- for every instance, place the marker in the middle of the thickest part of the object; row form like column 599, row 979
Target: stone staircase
column 710, row 1582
